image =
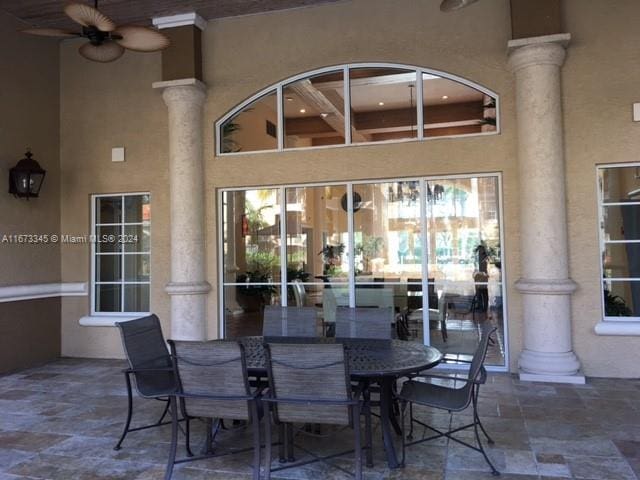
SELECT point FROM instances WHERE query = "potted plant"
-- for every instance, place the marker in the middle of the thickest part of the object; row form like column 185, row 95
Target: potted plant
column 253, row 295
column 332, row 258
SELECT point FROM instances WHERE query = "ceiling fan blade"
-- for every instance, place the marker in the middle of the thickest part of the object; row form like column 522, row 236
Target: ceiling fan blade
column 106, row 52
column 50, row 32
column 451, row 5
column 141, row 39
column 89, row 17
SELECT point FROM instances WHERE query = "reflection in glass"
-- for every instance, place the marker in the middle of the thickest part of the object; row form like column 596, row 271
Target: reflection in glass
column 254, row 128
column 137, row 209
column 383, row 104
column 314, row 111
column 109, row 209
column 621, row 298
column 619, row 222
column 108, row 298
column 107, row 238
column 453, row 108
column 136, row 298
column 244, row 308
column 136, row 268
column 138, row 238
column 108, row 268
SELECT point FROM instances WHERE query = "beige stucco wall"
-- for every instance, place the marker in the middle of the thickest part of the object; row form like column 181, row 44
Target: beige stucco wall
column 29, row 104
column 105, row 106
column 601, row 81
column 109, row 105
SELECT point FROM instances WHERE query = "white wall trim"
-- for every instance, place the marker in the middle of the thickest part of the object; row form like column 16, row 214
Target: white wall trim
column 107, row 320
column 16, row 293
column 617, row 328
column 180, row 20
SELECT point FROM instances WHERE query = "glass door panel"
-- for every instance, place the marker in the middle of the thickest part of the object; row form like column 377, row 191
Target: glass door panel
column 464, row 264
column 251, row 249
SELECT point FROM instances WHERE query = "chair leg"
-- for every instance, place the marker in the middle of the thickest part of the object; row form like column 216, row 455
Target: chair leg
column 174, row 439
column 127, row 423
column 410, row 436
column 164, row 413
column 358, row 442
column 282, row 435
column 256, row 441
column 475, row 429
column 289, row 437
column 403, row 410
column 368, row 434
column 267, row 443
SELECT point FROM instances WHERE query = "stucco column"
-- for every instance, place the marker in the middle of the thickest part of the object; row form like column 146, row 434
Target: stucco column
column 188, row 286
column 545, row 284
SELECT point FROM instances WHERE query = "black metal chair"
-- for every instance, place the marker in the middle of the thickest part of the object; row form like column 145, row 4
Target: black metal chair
column 150, row 366
column 311, row 383
column 369, row 323
column 451, row 399
column 289, row 321
column 213, row 385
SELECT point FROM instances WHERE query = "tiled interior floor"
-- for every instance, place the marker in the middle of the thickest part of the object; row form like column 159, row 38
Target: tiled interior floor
column 60, row 421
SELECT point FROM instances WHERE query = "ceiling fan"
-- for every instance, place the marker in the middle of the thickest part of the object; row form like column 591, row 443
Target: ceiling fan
column 107, row 42
column 451, row 5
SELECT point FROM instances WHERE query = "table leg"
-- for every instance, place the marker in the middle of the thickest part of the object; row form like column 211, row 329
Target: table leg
column 388, row 420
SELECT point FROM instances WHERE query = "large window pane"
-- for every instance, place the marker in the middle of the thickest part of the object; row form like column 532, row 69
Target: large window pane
column 388, row 245
column 453, row 108
column 383, row 104
column 314, row 111
column 621, row 299
column 254, row 128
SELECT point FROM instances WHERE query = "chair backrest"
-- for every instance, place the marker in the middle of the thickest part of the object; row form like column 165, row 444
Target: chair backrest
column 476, row 370
column 370, row 323
column 299, row 292
column 308, row 374
column 214, row 368
column 145, row 348
column 289, row 321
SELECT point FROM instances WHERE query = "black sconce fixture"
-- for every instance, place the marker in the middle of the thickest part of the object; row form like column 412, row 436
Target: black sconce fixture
column 25, row 179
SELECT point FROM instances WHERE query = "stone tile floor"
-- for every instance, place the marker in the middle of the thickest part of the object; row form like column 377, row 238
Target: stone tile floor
column 60, row 422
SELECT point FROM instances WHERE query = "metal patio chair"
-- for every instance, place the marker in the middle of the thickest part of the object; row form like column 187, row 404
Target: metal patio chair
column 213, row 385
column 311, row 383
column 365, row 323
column 150, row 366
column 451, row 399
column 289, row 321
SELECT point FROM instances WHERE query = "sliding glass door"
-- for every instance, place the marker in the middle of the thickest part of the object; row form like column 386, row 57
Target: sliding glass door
column 430, row 248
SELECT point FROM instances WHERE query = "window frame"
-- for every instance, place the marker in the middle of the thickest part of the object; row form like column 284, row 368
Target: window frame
column 601, row 242
column 278, row 89
column 121, row 254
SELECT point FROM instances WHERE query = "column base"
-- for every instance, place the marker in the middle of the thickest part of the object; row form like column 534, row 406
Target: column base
column 549, row 363
column 576, row 379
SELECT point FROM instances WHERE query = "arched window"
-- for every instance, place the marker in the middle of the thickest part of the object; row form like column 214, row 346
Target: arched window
column 358, row 104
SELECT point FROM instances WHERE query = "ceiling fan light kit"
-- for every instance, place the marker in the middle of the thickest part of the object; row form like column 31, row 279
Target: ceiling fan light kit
column 107, row 42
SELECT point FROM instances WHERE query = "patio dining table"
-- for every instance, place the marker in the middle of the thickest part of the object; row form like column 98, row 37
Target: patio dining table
column 377, row 361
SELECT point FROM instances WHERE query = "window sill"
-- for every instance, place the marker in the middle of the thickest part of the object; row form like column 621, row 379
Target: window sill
column 617, row 328
column 107, row 320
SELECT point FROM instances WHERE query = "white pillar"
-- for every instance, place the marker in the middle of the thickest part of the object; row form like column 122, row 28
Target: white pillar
column 545, row 284
column 188, row 286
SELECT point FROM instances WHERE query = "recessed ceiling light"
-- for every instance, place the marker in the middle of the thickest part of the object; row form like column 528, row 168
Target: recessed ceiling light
column 381, row 103
column 289, row 99
column 324, row 115
column 445, row 97
column 303, row 110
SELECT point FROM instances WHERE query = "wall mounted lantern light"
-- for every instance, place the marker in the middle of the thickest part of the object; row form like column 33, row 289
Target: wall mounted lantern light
column 25, row 179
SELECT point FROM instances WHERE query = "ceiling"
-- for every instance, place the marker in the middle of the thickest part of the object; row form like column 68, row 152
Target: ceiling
column 49, row 13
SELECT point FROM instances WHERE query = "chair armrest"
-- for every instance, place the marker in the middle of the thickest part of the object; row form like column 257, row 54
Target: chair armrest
column 444, row 377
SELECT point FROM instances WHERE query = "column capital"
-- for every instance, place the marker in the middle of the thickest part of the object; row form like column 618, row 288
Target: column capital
column 544, row 50
column 185, row 90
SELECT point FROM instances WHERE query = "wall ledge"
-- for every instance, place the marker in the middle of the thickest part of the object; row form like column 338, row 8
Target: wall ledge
column 107, row 320
column 617, row 328
column 16, row 293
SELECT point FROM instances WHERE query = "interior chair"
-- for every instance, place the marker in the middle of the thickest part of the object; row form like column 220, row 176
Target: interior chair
column 213, row 385
column 289, row 321
column 438, row 307
column 452, row 399
column 311, row 383
column 150, row 367
column 299, row 293
column 365, row 323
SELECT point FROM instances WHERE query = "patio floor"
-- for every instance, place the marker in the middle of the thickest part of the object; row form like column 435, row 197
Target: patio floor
column 61, row 420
